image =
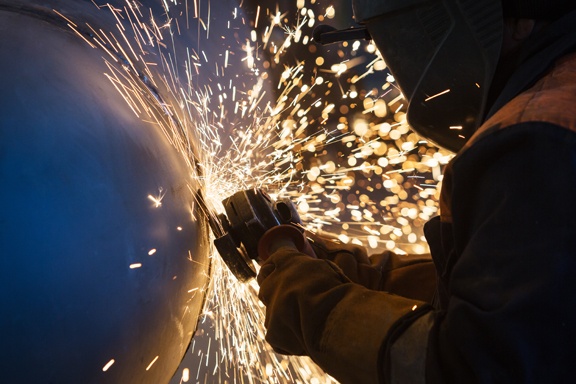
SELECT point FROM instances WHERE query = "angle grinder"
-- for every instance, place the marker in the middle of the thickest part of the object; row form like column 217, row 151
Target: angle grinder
column 249, row 214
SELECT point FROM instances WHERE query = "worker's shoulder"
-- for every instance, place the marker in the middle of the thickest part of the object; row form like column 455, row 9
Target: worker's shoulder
column 551, row 101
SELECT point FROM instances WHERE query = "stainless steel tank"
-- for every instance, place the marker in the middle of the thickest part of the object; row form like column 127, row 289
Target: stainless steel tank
column 104, row 253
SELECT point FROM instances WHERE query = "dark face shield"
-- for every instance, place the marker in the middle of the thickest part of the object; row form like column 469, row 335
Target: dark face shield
column 443, row 55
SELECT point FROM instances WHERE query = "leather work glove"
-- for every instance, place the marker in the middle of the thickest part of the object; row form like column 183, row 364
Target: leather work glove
column 313, row 309
column 352, row 260
column 412, row 276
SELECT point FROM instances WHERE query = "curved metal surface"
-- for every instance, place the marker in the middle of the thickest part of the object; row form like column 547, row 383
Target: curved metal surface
column 103, row 256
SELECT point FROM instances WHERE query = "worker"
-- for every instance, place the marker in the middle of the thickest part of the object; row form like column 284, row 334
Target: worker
column 495, row 302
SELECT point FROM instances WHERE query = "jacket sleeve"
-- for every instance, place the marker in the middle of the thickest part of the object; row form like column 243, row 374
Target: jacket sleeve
column 385, row 271
column 509, row 316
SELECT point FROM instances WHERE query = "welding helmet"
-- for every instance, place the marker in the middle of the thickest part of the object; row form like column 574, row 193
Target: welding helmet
column 443, row 54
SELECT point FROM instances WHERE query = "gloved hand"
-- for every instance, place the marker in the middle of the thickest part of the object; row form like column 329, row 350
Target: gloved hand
column 283, row 235
column 313, row 309
column 412, row 276
column 352, row 260
column 291, row 297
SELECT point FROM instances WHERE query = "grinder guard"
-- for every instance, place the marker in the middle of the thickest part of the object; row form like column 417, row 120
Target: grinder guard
column 249, row 214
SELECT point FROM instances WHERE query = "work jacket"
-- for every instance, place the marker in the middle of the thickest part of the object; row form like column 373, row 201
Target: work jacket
column 504, row 245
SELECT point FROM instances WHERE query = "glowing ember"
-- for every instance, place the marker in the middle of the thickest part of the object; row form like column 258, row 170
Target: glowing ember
column 108, row 365
column 152, row 363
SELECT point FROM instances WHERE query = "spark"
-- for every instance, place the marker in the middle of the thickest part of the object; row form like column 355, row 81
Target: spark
column 437, row 95
column 108, row 365
column 135, row 265
column 157, row 200
column 73, row 28
column 152, row 363
column 185, row 375
column 65, row 18
column 257, row 17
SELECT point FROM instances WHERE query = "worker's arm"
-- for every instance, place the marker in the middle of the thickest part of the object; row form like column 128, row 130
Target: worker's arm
column 384, row 271
column 313, row 309
column 318, row 301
